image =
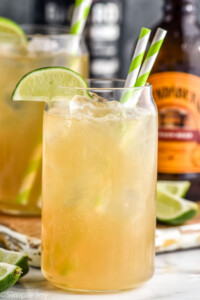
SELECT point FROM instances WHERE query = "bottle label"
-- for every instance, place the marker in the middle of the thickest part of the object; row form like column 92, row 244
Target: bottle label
column 177, row 96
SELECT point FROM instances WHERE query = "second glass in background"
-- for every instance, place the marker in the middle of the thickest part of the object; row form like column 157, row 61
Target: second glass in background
column 21, row 123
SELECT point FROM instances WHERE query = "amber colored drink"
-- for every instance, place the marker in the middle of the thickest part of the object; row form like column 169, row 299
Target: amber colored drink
column 98, row 209
column 21, row 123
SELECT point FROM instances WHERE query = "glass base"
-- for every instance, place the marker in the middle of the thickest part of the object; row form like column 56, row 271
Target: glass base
column 94, row 291
column 19, row 210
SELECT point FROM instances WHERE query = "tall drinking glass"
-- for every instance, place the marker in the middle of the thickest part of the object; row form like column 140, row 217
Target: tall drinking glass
column 21, row 123
column 99, row 186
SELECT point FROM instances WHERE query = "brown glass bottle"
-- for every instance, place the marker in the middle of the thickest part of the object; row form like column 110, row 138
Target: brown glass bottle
column 176, row 89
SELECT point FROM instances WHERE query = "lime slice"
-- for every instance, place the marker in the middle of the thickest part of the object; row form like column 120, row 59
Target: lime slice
column 178, row 188
column 9, row 274
column 11, row 32
column 174, row 210
column 51, row 83
column 15, row 258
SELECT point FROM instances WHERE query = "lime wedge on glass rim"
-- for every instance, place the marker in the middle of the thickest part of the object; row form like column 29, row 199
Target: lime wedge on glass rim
column 51, row 83
column 15, row 258
column 172, row 209
column 177, row 188
column 11, row 32
column 9, row 274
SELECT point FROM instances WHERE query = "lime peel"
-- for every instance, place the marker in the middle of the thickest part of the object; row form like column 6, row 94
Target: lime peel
column 9, row 275
column 15, row 258
column 50, row 84
column 11, row 32
column 178, row 188
column 172, row 209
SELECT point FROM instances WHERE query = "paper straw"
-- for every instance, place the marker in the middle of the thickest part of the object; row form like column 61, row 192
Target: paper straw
column 131, row 97
column 138, row 57
column 79, row 18
column 30, row 175
column 39, row 202
column 151, row 57
column 136, row 64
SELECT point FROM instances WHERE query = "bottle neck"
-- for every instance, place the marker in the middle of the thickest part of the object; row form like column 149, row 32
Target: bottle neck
column 174, row 9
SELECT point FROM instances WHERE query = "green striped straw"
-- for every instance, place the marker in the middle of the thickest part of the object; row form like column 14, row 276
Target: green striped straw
column 151, row 57
column 138, row 57
column 143, row 69
column 30, row 175
column 136, row 62
column 79, row 18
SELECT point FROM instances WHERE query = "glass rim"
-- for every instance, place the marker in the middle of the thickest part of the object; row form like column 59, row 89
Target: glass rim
column 61, row 31
column 64, row 30
column 147, row 86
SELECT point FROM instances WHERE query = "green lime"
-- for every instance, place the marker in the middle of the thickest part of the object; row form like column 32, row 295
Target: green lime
column 9, row 274
column 11, row 32
column 178, row 188
column 51, row 83
column 15, row 258
column 172, row 209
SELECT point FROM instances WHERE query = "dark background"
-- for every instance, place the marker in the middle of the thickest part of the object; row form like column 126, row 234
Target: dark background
column 137, row 13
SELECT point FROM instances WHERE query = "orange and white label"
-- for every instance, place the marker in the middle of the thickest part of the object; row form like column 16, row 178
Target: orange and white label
column 177, row 96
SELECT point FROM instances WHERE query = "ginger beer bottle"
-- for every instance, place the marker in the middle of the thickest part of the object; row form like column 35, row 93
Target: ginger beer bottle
column 176, row 89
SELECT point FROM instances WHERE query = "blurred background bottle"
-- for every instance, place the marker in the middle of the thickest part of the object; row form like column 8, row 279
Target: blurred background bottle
column 53, row 12
column 104, row 38
column 176, row 83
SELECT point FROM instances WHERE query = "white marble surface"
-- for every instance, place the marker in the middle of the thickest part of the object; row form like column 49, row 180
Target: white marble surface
column 177, row 277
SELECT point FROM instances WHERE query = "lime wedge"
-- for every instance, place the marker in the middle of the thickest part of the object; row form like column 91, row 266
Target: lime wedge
column 177, row 188
column 174, row 210
column 51, row 83
column 15, row 258
column 11, row 32
column 9, row 274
